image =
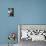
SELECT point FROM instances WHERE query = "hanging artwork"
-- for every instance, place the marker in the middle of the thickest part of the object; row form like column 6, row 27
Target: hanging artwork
column 11, row 11
column 32, row 32
column 11, row 37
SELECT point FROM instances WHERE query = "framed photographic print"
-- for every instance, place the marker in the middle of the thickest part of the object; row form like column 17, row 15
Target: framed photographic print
column 28, row 34
column 11, row 11
column 33, row 32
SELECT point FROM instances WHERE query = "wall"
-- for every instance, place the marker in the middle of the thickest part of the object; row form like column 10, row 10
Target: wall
column 7, row 24
column 26, row 12
column 31, row 11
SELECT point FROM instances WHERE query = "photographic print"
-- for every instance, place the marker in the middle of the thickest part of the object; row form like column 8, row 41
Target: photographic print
column 31, row 33
column 11, row 11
